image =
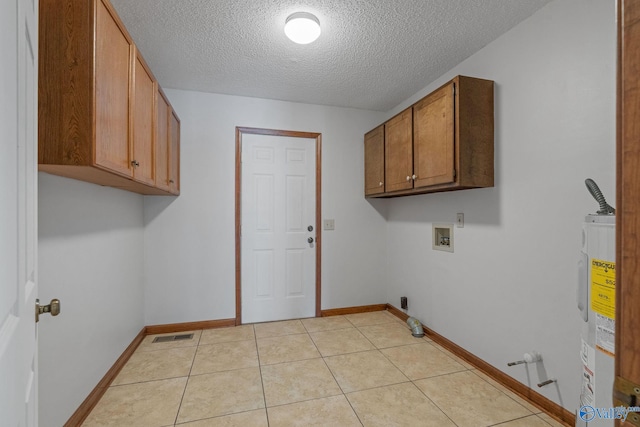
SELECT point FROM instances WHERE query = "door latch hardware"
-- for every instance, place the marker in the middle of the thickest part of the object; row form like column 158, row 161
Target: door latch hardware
column 310, row 240
column 626, row 393
column 52, row 308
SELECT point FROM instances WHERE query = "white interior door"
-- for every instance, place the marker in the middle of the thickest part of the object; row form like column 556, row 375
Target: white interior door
column 18, row 212
column 278, row 207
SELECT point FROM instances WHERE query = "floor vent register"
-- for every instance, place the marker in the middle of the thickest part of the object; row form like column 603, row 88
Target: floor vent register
column 169, row 338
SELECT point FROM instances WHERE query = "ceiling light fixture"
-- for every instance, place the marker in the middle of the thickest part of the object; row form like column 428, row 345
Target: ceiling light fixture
column 302, row 27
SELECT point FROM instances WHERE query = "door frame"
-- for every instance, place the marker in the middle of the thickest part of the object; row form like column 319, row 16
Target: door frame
column 627, row 363
column 294, row 134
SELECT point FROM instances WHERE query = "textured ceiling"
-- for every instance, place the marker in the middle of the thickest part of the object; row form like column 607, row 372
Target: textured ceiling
column 372, row 54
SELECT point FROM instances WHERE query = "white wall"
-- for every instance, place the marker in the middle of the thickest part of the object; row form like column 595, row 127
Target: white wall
column 90, row 257
column 508, row 288
column 190, row 240
column 510, row 285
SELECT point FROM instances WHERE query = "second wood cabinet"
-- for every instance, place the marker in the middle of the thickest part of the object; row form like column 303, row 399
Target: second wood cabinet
column 374, row 161
column 110, row 77
column 443, row 142
column 143, row 141
column 174, row 153
column 433, row 139
column 398, row 165
column 167, row 146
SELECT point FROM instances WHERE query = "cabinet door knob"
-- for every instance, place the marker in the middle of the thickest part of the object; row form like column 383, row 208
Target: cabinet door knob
column 414, row 176
column 381, row 183
column 408, row 178
column 135, row 163
column 171, row 181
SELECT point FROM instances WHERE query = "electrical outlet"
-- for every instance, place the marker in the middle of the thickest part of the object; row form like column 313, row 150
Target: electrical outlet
column 329, row 224
column 460, row 220
column 403, row 303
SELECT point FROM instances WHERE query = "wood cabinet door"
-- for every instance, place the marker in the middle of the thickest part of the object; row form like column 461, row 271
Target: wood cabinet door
column 374, row 161
column 162, row 142
column 433, row 138
column 174, row 153
column 143, row 120
column 398, row 155
column 112, row 114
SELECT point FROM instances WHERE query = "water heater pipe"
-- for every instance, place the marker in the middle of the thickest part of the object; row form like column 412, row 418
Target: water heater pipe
column 605, row 208
column 530, row 357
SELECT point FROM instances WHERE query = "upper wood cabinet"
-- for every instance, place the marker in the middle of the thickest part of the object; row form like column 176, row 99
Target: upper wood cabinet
column 97, row 99
column 374, row 161
column 398, row 152
column 167, row 146
column 433, row 139
column 162, row 141
column 144, row 98
column 174, row 153
column 113, row 54
column 443, row 142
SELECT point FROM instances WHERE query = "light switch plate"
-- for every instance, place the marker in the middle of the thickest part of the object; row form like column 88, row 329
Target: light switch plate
column 460, row 220
column 329, row 224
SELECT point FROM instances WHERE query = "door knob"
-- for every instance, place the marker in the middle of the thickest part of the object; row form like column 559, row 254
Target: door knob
column 310, row 240
column 53, row 308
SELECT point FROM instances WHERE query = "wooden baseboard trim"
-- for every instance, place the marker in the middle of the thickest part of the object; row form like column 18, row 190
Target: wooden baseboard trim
column 397, row 312
column 556, row 411
column 189, row 326
column 550, row 407
column 91, row 401
column 353, row 310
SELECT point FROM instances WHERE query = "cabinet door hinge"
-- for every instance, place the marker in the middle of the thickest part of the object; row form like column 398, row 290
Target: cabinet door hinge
column 627, row 395
column 453, row 86
column 454, row 173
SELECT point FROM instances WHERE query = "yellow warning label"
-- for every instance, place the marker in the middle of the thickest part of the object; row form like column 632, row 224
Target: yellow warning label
column 603, row 287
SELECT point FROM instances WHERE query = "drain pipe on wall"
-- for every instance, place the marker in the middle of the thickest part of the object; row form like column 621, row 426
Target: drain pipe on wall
column 416, row 327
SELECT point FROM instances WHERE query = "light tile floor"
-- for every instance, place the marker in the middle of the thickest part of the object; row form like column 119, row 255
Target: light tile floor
column 360, row 369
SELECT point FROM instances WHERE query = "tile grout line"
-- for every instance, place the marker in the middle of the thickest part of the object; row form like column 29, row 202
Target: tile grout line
column 336, row 380
column 394, row 365
column 487, row 382
column 476, row 372
column 473, row 371
column 434, row 403
column 264, row 395
column 193, row 361
column 450, row 355
column 519, row 418
column 374, row 348
column 414, row 384
column 112, row 385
